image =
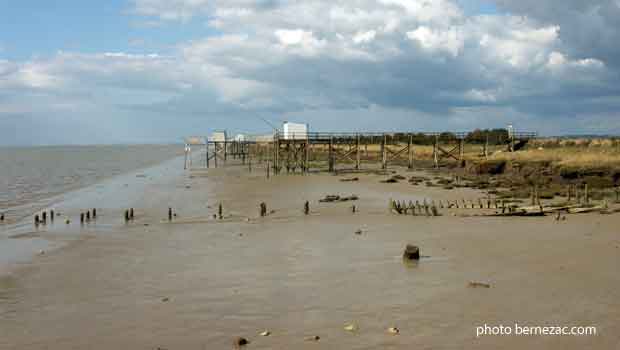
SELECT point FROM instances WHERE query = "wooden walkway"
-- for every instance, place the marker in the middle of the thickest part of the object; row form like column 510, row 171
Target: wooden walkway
column 299, row 152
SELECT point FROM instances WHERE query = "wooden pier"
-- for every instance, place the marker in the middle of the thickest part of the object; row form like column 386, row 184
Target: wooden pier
column 303, row 153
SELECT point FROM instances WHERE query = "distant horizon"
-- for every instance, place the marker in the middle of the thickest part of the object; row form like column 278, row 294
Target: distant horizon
column 181, row 143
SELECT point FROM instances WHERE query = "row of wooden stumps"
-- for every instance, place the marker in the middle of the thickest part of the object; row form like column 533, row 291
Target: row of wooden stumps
column 581, row 195
column 262, row 209
column 86, row 216
column 42, row 219
column 416, row 208
column 431, row 209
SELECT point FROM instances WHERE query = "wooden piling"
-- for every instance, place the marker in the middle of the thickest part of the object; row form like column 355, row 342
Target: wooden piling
column 384, row 152
column 410, row 152
column 88, row 215
column 330, row 154
column 207, row 153
column 169, row 214
column 131, row 213
column 486, row 147
column 307, row 208
column 36, row 220
column 94, row 213
column 44, row 217
column 435, row 150
column 82, row 218
column 126, row 215
column 220, row 211
column 185, row 162
column 1, row 217
column 357, row 152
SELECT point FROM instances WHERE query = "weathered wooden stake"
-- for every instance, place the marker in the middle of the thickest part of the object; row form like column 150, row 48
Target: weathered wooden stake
column 410, row 151
column 82, row 218
column 44, row 217
column 357, row 152
column 330, row 154
column 307, row 208
column 2, row 217
column 435, row 150
column 87, row 215
column 219, row 211
column 94, row 213
column 384, row 152
column 461, row 150
column 486, row 147
column 169, row 214
column 131, row 213
column 36, row 220
column 126, row 215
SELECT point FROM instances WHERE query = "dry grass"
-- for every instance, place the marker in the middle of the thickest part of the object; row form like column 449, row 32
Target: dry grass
column 573, row 156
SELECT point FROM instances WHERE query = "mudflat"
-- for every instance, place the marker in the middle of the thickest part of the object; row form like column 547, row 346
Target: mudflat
column 199, row 282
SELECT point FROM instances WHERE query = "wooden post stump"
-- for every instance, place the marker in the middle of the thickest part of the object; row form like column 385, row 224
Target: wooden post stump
column 411, row 252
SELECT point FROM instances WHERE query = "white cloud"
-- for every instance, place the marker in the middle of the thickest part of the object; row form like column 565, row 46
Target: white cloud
column 364, row 37
column 450, row 40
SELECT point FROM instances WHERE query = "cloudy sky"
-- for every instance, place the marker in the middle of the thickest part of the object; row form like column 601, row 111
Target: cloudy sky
column 141, row 71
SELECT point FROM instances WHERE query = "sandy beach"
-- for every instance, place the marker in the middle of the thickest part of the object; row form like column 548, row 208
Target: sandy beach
column 199, row 282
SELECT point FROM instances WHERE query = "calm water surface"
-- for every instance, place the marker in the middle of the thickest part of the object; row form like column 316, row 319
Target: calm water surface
column 30, row 176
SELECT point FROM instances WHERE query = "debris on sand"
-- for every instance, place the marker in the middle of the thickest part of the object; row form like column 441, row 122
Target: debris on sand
column 475, row 284
column 411, row 252
column 166, row 299
column 265, row 333
column 240, row 341
column 336, row 198
column 393, row 179
column 393, row 330
column 358, row 232
column 330, row 198
column 586, row 209
column 313, row 338
column 351, row 328
column 351, row 179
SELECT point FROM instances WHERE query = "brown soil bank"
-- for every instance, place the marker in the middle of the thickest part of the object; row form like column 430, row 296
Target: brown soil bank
column 549, row 177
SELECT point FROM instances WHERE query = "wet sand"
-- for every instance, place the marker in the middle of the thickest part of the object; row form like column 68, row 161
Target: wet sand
column 200, row 282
